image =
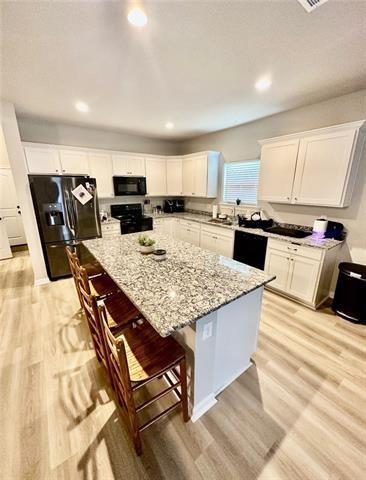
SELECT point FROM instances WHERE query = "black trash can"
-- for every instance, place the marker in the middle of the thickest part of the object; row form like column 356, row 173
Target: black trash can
column 350, row 295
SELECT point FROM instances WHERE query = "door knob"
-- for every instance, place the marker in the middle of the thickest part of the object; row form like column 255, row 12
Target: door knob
column 18, row 206
column 19, row 212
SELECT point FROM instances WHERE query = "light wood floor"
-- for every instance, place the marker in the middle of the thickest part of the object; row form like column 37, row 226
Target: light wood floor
column 300, row 413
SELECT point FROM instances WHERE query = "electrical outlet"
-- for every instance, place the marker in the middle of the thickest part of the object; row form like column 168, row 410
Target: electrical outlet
column 207, row 331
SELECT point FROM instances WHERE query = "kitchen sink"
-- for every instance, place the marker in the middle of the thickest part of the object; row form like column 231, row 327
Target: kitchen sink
column 288, row 232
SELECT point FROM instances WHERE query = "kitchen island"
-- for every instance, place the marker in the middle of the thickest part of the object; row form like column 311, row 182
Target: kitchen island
column 210, row 303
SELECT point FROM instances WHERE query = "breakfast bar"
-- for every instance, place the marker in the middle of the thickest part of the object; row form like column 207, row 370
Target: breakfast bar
column 211, row 304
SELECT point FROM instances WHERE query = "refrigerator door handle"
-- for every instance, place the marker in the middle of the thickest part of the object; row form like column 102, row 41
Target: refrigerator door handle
column 69, row 218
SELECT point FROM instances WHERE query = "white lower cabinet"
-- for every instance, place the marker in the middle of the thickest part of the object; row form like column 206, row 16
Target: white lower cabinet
column 303, row 273
column 217, row 240
column 164, row 226
column 188, row 232
column 110, row 228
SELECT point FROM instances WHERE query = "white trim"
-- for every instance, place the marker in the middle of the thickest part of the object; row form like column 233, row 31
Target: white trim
column 202, row 407
column 233, row 378
column 41, row 281
column 351, row 125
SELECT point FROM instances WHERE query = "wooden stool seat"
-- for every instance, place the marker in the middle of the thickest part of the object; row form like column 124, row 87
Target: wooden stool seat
column 94, row 269
column 120, row 311
column 149, row 354
column 102, row 286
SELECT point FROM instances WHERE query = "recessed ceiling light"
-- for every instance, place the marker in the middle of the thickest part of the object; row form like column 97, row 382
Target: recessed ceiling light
column 82, row 107
column 263, row 83
column 137, row 17
column 169, row 125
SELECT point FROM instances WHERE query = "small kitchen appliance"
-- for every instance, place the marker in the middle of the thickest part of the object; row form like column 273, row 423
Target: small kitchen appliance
column 174, row 206
column 129, row 185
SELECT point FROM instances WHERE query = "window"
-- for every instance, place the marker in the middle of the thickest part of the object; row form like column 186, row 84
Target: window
column 241, row 181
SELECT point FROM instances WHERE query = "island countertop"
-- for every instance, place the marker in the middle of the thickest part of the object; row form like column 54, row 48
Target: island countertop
column 175, row 292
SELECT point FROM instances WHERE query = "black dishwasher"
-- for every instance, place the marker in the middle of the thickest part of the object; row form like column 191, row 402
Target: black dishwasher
column 250, row 249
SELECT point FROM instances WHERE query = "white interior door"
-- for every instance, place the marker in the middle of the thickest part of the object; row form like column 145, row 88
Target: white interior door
column 278, row 263
column 74, row 162
column 303, row 276
column 277, row 171
column 5, row 251
column 322, row 169
column 100, row 167
column 10, row 210
column 174, row 176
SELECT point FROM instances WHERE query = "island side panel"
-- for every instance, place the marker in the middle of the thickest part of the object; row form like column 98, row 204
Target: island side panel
column 236, row 338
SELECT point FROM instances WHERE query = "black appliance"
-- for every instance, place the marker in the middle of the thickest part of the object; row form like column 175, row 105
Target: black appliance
column 250, row 249
column 335, row 230
column 289, row 232
column 349, row 298
column 173, row 206
column 129, row 185
column 131, row 218
column 62, row 219
column 254, row 221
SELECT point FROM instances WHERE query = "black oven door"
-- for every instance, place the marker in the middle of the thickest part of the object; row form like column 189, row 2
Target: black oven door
column 129, row 186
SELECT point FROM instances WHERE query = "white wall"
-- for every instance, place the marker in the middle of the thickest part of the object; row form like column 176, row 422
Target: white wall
column 18, row 166
column 44, row 131
column 241, row 143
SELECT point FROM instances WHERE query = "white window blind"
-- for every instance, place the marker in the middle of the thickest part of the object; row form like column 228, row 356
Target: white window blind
column 241, row 181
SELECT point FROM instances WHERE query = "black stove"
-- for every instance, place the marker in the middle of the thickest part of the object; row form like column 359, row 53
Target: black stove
column 131, row 217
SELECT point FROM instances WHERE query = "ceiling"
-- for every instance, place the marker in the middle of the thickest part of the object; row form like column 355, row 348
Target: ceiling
column 194, row 64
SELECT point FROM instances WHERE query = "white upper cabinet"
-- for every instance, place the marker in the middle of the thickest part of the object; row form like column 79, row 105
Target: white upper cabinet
column 277, row 170
column 101, row 168
column 156, row 174
column 128, row 164
column 43, row 160
column 200, row 174
column 318, row 167
column 329, row 156
column 174, row 176
column 74, row 162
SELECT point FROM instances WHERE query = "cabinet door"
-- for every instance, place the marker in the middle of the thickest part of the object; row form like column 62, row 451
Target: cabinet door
column 192, row 235
column 323, row 168
column 42, row 160
column 126, row 164
column 277, row 171
column 156, row 176
column 224, row 246
column 303, row 277
column 200, row 176
column 100, row 167
column 74, row 162
column 278, row 263
column 188, row 176
column 10, row 210
column 208, row 241
column 5, row 251
column 174, row 176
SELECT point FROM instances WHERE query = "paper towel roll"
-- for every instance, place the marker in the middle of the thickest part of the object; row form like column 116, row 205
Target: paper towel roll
column 214, row 211
column 320, row 225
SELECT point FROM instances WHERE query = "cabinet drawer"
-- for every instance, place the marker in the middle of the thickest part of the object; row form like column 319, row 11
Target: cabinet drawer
column 190, row 224
column 293, row 248
column 113, row 228
column 218, row 231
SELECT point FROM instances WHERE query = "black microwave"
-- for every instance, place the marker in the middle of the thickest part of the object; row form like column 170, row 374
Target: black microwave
column 129, row 186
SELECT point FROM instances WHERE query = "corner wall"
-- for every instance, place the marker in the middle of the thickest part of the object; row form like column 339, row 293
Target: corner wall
column 241, row 143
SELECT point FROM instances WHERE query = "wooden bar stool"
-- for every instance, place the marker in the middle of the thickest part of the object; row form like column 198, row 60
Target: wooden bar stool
column 101, row 285
column 136, row 357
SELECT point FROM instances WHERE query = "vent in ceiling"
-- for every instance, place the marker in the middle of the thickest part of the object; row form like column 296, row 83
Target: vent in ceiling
column 311, row 5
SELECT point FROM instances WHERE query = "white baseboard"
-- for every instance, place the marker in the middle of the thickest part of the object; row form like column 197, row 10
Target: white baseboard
column 202, row 407
column 233, row 378
column 41, row 281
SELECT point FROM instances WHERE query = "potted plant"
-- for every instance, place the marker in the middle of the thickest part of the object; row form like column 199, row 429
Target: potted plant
column 146, row 244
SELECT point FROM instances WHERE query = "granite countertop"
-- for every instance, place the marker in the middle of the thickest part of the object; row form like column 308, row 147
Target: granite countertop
column 311, row 241
column 110, row 221
column 176, row 292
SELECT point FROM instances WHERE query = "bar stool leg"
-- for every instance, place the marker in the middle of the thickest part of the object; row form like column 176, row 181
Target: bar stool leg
column 183, row 382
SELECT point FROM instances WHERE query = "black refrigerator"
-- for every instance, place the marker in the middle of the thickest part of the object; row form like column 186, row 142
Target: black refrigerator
column 67, row 212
